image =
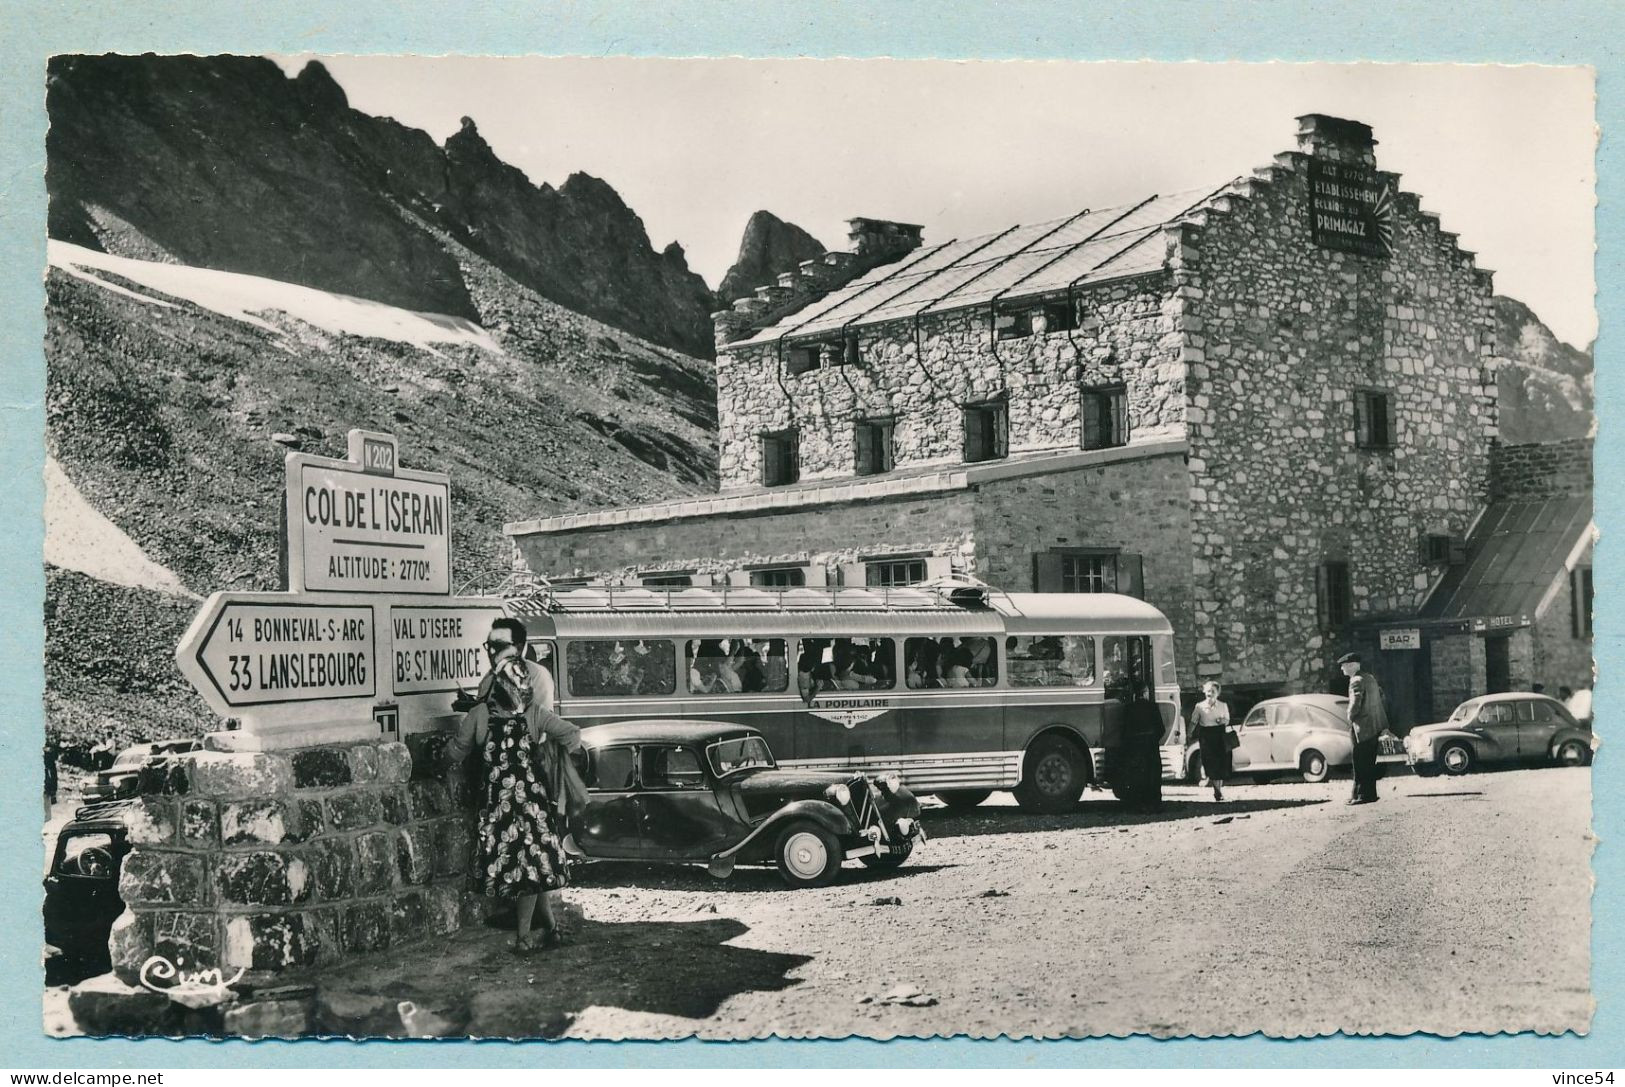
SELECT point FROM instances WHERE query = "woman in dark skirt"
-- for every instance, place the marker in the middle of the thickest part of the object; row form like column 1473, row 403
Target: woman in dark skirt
column 518, row 852
column 1211, row 722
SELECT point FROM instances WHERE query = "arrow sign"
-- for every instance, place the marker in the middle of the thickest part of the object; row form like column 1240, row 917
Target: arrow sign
column 261, row 649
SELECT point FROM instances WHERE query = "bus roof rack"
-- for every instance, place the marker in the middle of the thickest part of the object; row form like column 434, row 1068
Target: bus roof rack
column 942, row 594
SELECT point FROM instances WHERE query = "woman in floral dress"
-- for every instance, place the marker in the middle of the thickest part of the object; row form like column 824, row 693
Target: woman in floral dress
column 517, row 850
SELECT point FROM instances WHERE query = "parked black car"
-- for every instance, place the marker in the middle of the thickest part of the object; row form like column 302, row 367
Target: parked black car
column 123, row 778
column 693, row 791
column 81, row 892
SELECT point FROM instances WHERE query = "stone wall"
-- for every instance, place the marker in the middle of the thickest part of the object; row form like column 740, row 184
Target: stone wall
column 1126, row 335
column 826, row 537
column 1541, row 469
column 272, row 861
column 1279, row 334
column 1457, row 671
column 1561, row 659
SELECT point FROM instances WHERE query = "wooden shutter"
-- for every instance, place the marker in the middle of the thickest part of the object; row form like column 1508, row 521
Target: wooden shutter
column 975, row 434
column 938, row 566
column 737, row 578
column 864, row 437
column 770, row 461
column 1458, row 551
column 1092, row 438
column 1362, row 434
column 816, row 573
column 1131, row 575
column 853, row 573
column 1391, row 436
column 1322, row 602
column 1119, row 404
column 703, row 580
column 884, row 456
column 1047, row 572
column 1577, row 604
column 792, row 456
column 1001, row 429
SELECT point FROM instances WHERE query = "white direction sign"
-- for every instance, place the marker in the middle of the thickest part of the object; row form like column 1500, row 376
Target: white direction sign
column 439, row 647
column 264, row 649
column 367, row 525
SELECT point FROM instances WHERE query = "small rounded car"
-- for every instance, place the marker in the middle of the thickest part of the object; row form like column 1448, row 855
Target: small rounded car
column 123, row 779
column 81, row 892
column 710, row 792
column 1305, row 733
column 1516, row 727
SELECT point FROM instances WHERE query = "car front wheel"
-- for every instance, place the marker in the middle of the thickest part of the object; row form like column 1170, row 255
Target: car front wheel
column 808, row 855
column 1572, row 753
column 1456, row 759
column 1314, row 767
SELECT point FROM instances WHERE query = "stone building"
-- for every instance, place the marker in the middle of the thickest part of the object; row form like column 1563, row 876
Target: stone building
column 1259, row 405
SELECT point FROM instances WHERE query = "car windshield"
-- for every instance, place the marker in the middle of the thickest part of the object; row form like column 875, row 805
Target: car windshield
column 133, row 756
column 1464, row 711
column 741, row 754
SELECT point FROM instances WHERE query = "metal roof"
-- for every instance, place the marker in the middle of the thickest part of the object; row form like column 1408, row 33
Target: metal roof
column 1018, row 262
column 1515, row 552
column 663, row 730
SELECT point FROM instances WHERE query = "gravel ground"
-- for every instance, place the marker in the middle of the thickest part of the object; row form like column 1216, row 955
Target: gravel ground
column 1454, row 905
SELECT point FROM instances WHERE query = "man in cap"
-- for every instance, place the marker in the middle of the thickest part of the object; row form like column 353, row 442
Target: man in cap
column 1367, row 720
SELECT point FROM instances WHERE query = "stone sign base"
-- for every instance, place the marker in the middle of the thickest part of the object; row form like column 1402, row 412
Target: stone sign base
column 270, row 861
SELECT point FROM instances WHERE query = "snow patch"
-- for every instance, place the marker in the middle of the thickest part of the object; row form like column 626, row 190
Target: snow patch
column 79, row 538
column 241, row 297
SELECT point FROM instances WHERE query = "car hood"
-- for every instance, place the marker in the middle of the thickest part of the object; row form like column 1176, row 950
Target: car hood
column 793, row 784
column 1436, row 728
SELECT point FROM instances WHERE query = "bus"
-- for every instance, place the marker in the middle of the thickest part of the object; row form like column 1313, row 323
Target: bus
column 957, row 687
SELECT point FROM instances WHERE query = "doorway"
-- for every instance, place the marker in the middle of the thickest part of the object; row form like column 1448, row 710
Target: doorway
column 1497, row 664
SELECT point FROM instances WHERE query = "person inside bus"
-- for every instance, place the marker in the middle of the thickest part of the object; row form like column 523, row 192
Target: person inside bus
column 845, row 674
column 728, row 680
column 983, row 669
column 956, row 664
column 922, row 664
column 1078, row 661
column 770, row 661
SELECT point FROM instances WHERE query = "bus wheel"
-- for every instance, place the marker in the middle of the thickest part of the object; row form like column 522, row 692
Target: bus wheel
column 808, row 855
column 964, row 799
column 1052, row 776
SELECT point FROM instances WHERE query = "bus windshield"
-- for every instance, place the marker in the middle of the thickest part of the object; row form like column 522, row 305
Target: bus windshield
column 741, row 754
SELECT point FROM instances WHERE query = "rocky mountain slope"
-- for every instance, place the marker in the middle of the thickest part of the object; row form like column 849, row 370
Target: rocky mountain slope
column 1546, row 386
column 225, row 162
column 769, row 246
column 163, row 395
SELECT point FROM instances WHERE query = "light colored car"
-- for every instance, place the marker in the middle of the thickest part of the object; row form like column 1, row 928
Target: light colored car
column 1517, row 727
column 1302, row 733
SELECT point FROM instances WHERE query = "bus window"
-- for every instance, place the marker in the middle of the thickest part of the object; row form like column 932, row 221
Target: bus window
column 1051, row 660
column 950, row 662
column 1126, row 669
column 1167, row 675
column 737, row 666
column 846, row 664
column 617, row 667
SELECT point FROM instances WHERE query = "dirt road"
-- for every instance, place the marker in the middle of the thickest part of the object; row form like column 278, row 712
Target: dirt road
column 1454, row 905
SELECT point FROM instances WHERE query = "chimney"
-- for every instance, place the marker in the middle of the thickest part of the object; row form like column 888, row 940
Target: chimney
column 877, row 241
column 1337, row 140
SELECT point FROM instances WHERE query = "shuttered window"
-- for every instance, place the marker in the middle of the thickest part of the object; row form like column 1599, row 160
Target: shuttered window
column 987, row 431
column 1582, row 601
column 1334, row 594
column 895, row 573
column 873, row 438
column 781, row 461
column 1088, row 570
column 1105, row 416
column 1374, row 422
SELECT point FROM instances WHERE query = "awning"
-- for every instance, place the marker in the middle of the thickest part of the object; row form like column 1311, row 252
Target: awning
column 1515, row 553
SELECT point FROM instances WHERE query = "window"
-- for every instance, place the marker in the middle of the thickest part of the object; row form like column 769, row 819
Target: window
column 1259, row 717
column 1105, row 417
column 1126, row 668
column 668, row 581
column 1013, row 324
column 893, row 573
column 1088, row 573
column 1334, row 594
column 950, row 662
column 873, row 438
column 600, row 668
column 1088, row 570
column 726, row 666
column 742, row 754
column 781, row 458
column 1495, row 713
column 609, row 770
column 668, row 768
column 1059, row 316
column 1050, row 660
column 803, row 357
column 1582, row 601
column 987, row 431
column 846, row 664
column 1373, row 419
column 783, row 577
column 1441, row 547
column 1541, row 713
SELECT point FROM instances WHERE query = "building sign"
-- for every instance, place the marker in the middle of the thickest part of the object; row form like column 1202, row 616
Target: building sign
column 1494, row 623
column 255, row 649
column 438, row 647
column 1351, row 208
column 1401, row 639
column 366, row 525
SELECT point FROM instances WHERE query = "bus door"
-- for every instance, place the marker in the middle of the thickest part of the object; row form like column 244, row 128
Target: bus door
column 1126, row 672
column 848, row 690
column 945, row 708
column 743, row 680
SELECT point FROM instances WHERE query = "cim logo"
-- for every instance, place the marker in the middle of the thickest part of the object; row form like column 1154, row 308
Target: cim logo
column 377, row 456
column 847, row 718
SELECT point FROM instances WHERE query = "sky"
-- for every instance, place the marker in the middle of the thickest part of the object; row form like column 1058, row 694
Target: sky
column 1505, row 155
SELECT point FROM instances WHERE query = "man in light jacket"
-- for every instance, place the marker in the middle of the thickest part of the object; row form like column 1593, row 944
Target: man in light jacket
column 1367, row 721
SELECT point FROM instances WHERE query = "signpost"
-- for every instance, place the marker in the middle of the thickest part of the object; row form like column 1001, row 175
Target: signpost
column 368, row 642
column 1351, row 208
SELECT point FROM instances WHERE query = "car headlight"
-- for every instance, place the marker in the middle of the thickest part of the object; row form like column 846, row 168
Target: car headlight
column 891, row 782
column 840, row 794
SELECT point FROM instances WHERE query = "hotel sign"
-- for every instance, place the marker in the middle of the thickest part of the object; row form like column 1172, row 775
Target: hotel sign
column 1351, row 209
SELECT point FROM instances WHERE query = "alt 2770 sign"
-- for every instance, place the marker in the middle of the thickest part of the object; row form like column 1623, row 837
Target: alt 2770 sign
column 367, row 525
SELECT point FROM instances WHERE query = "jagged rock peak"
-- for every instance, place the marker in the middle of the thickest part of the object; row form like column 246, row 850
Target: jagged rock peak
column 319, row 90
column 769, row 246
